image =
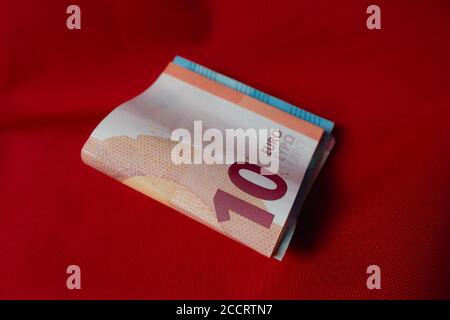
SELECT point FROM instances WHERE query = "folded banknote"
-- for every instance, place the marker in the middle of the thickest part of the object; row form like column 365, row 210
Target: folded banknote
column 223, row 153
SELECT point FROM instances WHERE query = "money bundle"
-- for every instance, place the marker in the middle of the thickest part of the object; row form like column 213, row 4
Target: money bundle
column 223, row 153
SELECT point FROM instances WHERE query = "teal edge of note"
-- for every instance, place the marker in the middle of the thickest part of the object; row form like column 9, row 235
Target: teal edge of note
column 325, row 124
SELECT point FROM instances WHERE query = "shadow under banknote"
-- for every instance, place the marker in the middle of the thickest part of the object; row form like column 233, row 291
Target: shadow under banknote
column 318, row 211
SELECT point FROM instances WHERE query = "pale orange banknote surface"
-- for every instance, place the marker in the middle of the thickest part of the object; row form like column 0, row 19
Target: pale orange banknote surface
column 133, row 145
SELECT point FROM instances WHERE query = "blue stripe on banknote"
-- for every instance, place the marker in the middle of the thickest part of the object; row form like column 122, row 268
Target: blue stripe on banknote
column 325, row 124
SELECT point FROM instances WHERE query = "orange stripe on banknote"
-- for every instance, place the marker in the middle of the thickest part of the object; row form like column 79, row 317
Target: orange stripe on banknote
column 308, row 129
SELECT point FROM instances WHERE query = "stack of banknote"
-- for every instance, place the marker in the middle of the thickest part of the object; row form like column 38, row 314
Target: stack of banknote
column 223, row 153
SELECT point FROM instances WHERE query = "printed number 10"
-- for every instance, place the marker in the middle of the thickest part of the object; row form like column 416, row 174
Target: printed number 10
column 223, row 201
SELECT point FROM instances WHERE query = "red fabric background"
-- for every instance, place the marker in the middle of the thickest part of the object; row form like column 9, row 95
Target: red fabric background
column 382, row 198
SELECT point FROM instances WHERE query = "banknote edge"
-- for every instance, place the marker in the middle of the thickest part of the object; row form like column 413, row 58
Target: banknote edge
column 321, row 157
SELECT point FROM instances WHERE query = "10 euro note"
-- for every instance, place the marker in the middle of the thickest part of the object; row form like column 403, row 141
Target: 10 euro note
column 209, row 148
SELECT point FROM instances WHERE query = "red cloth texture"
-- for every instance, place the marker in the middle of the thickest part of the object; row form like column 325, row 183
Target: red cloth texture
column 382, row 197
